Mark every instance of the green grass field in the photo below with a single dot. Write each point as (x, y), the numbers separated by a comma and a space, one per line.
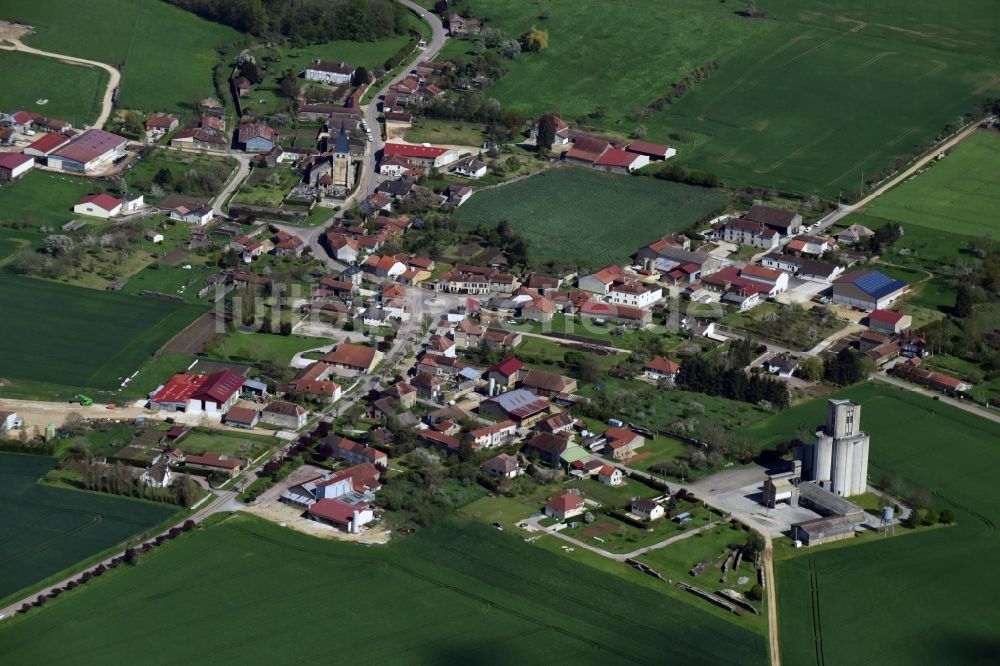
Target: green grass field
(957, 195)
(81, 337)
(45, 530)
(922, 598)
(807, 100)
(43, 199)
(74, 92)
(262, 347)
(454, 594)
(575, 214)
(168, 53)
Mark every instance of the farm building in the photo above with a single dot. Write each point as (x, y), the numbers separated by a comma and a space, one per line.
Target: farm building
(214, 462)
(257, 137)
(214, 393)
(520, 405)
(654, 151)
(98, 205)
(889, 321)
(424, 155)
(868, 290)
(323, 71)
(89, 152)
(241, 417)
(783, 221)
(15, 165)
(501, 467)
(620, 161)
(357, 358)
(9, 421)
(46, 144)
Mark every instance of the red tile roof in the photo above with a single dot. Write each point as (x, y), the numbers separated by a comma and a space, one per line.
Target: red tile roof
(663, 365)
(352, 356)
(647, 148)
(508, 367)
(406, 150)
(566, 502)
(212, 460)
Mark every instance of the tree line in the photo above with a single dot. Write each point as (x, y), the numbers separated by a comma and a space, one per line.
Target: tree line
(713, 378)
(305, 21)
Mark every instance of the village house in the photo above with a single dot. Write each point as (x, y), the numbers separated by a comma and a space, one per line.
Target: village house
(476, 280)
(538, 309)
(493, 435)
(198, 138)
(812, 245)
(470, 167)
(600, 282)
(214, 462)
(502, 466)
(565, 506)
(622, 443)
(854, 234)
(159, 124)
(802, 267)
(323, 71)
(634, 294)
(647, 509)
(611, 476)
(660, 368)
(197, 216)
(557, 424)
(747, 232)
(354, 453)
(312, 383)
(284, 415)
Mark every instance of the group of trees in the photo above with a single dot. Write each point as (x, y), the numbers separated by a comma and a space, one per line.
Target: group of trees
(119, 479)
(885, 235)
(305, 21)
(713, 378)
(679, 173)
(846, 367)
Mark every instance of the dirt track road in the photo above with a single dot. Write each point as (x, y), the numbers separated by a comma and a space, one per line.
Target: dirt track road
(11, 33)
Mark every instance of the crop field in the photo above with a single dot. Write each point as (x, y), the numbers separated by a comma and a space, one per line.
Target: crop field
(69, 92)
(811, 99)
(81, 337)
(921, 598)
(44, 530)
(579, 215)
(168, 53)
(957, 195)
(454, 594)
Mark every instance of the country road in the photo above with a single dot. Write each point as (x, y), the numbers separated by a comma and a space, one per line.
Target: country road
(10, 33)
(369, 178)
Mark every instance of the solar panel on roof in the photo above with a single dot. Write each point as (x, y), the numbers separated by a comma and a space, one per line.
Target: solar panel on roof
(878, 284)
